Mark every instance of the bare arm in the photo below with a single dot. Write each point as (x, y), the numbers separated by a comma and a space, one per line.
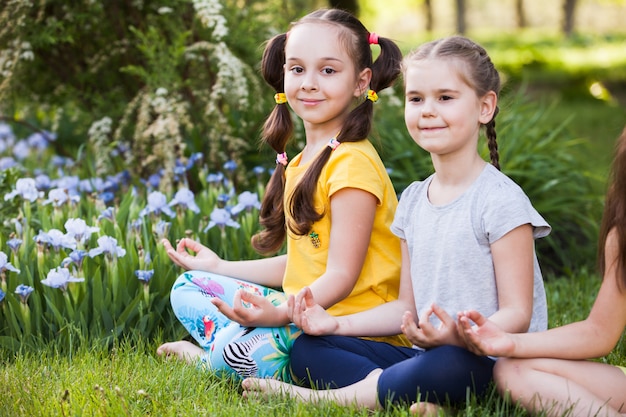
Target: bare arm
(513, 260)
(353, 213)
(593, 337)
(190, 254)
(382, 320)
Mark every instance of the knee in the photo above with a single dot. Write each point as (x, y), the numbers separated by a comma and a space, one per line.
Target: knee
(177, 293)
(506, 372)
(303, 354)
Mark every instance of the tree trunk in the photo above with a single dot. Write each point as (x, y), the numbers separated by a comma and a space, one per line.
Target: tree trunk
(460, 17)
(569, 7)
(520, 15)
(351, 6)
(428, 11)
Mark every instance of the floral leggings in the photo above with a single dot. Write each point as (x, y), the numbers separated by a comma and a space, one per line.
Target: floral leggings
(232, 349)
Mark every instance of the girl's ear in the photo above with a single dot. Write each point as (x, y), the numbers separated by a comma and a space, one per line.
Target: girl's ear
(488, 105)
(363, 82)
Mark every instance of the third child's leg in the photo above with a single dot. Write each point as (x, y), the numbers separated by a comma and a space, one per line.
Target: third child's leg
(580, 387)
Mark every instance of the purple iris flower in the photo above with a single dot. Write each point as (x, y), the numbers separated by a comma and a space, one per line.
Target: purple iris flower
(76, 257)
(24, 292)
(60, 278)
(157, 204)
(153, 181)
(7, 162)
(21, 150)
(14, 244)
(60, 196)
(6, 266)
(185, 199)
(162, 229)
(2, 295)
(107, 245)
(144, 275)
(57, 240)
(222, 200)
(43, 182)
(230, 166)
(78, 229)
(258, 171)
(25, 188)
(193, 159)
(247, 201)
(215, 179)
(108, 214)
(221, 218)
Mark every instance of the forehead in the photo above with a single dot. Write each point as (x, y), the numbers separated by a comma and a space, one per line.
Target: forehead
(316, 36)
(433, 73)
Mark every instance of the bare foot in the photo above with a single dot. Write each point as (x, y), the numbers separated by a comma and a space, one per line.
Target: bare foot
(262, 388)
(425, 409)
(182, 349)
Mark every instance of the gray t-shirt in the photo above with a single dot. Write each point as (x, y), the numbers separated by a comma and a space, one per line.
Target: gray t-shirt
(449, 245)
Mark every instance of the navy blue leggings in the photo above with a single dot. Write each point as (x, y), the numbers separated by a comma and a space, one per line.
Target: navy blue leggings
(441, 375)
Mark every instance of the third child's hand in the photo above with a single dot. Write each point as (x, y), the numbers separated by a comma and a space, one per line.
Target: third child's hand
(485, 338)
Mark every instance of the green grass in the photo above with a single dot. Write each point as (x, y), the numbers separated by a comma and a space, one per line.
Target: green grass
(130, 380)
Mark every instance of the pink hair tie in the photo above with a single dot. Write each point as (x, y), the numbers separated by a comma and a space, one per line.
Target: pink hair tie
(333, 143)
(373, 39)
(281, 158)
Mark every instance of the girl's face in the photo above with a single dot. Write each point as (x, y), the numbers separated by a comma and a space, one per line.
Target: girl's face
(321, 80)
(442, 112)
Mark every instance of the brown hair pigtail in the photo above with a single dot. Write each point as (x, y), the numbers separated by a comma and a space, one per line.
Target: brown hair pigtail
(277, 131)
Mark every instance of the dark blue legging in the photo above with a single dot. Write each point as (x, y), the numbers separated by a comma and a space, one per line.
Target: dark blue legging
(440, 375)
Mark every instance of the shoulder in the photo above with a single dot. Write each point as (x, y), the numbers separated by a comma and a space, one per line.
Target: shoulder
(357, 165)
(361, 150)
(411, 195)
(503, 204)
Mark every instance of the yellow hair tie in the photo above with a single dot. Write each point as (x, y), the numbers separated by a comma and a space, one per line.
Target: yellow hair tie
(371, 95)
(280, 98)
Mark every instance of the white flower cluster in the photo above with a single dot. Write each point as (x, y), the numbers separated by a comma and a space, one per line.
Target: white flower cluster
(99, 137)
(208, 11)
(9, 57)
(231, 80)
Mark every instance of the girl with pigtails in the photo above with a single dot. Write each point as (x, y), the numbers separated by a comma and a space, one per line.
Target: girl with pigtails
(467, 240)
(333, 203)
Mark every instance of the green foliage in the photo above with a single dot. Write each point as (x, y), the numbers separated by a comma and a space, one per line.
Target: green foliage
(544, 159)
(110, 302)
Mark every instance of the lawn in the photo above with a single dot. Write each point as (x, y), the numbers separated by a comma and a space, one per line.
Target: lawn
(130, 380)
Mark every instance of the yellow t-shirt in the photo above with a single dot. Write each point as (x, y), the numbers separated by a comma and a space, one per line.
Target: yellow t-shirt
(351, 165)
